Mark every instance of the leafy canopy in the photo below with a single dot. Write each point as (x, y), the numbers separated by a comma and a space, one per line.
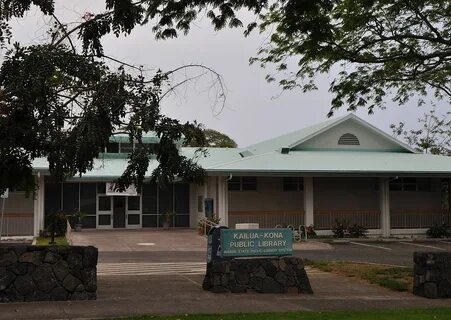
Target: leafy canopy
(432, 135)
(216, 139)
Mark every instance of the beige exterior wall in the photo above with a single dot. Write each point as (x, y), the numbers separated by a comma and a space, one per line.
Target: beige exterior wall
(18, 203)
(346, 194)
(416, 199)
(367, 138)
(268, 197)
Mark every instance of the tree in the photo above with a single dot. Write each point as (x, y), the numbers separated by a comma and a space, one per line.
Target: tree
(432, 136)
(380, 47)
(216, 139)
(62, 104)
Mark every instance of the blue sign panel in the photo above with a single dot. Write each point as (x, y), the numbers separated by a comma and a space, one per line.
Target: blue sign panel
(256, 242)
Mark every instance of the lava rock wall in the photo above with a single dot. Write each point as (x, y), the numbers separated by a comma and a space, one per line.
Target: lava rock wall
(432, 274)
(38, 273)
(264, 275)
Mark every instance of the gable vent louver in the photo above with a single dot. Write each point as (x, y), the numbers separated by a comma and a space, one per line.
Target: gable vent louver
(348, 139)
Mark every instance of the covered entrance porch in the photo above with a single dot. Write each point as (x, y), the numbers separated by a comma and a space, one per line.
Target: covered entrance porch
(383, 205)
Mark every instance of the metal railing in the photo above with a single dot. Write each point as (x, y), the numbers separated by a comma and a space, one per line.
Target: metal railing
(17, 226)
(206, 226)
(326, 220)
(267, 219)
(418, 218)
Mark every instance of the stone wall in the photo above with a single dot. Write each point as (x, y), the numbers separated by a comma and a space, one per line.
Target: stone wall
(33, 273)
(432, 274)
(264, 275)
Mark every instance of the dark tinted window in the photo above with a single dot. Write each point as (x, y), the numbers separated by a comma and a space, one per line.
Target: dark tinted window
(249, 183)
(134, 203)
(70, 197)
(88, 198)
(104, 203)
(112, 147)
(234, 184)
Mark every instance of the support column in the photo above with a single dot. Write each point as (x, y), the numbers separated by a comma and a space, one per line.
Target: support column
(222, 200)
(384, 205)
(308, 201)
(38, 206)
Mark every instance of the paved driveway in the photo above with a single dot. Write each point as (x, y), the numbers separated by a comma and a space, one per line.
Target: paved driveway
(184, 245)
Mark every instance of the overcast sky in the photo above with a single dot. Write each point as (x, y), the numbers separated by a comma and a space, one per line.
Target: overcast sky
(255, 110)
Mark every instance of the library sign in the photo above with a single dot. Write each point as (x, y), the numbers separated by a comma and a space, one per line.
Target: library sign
(256, 242)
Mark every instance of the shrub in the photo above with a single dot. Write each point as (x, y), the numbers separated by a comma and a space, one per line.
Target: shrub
(439, 231)
(357, 231)
(310, 231)
(57, 220)
(339, 229)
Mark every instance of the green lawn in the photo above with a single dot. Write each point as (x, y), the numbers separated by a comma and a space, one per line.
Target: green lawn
(44, 241)
(394, 278)
(411, 314)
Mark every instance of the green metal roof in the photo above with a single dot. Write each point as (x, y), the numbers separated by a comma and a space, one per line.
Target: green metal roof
(337, 163)
(265, 158)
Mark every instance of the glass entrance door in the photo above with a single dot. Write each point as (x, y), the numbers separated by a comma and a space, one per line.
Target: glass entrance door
(119, 215)
(133, 216)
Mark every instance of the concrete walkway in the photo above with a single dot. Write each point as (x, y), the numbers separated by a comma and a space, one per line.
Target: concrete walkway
(182, 294)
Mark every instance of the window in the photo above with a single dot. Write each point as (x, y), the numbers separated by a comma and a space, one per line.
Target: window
(112, 147)
(104, 203)
(126, 147)
(348, 139)
(134, 203)
(249, 183)
(234, 184)
(410, 184)
(293, 184)
(242, 184)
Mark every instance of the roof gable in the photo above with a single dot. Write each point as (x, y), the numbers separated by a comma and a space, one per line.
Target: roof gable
(353, 133)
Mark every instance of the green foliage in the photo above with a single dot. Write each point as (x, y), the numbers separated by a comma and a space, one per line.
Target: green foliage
(342, 230)
(439, 231)
(433, 135)
(310, 230)
(339, 229)
(56, 221)
(380, 48)
(393, 278)
(64, 105)
(215, 139)
(410, 314)
(357, 231)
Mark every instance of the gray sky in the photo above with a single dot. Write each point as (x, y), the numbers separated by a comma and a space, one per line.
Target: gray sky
(254, 111)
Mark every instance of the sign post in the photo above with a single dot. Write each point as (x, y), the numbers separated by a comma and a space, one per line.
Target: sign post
(256, 242)
(4, 196)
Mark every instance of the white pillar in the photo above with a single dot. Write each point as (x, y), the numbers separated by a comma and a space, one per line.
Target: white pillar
(38, 206)
(384, 200)
(222, 200)
(308, 201)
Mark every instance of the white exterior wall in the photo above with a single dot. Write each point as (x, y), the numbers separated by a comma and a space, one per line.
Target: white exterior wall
(346, 194)
(268, 197)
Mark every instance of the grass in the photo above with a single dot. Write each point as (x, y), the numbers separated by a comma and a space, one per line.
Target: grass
(408, 314)
(394, 278)
(45, 241)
